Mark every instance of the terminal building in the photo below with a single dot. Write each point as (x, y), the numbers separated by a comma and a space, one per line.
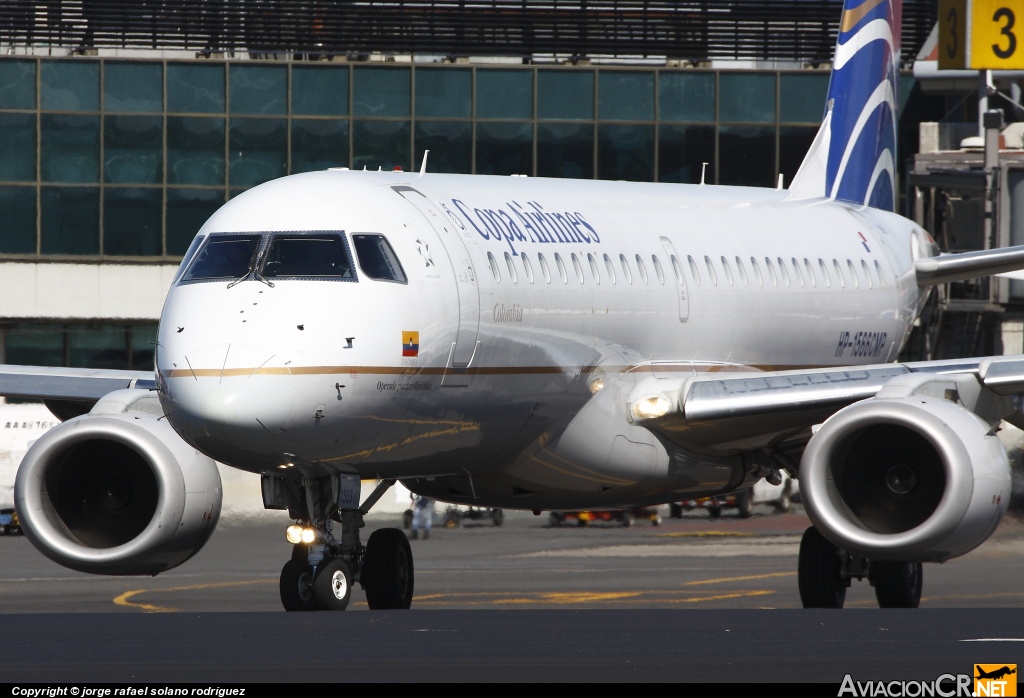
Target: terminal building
(124, 124)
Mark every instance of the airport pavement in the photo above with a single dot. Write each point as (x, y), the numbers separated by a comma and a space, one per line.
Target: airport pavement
(690, 600)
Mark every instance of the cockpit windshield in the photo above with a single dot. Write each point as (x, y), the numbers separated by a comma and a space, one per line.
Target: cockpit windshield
(224, 257)
(307, 255)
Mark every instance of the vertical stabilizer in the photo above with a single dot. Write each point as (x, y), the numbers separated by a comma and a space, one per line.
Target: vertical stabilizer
(853, 157)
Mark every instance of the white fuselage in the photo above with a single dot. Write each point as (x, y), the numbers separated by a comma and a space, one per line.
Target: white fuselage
(520, 293)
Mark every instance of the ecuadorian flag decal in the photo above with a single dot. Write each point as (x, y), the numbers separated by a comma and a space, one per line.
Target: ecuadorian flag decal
(410, 343)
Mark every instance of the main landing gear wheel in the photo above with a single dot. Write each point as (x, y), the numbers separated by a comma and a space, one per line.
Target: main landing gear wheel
(333, 585)
(387, 571)
(897, 584)
(820, 572)
(297, 586)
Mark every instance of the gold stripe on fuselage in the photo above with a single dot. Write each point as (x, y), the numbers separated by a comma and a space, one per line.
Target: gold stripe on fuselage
(478, 371)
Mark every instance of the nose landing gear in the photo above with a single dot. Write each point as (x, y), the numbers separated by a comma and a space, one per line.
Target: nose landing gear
(323, 570)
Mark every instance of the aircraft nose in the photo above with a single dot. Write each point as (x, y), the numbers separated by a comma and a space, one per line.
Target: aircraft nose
(226, 393)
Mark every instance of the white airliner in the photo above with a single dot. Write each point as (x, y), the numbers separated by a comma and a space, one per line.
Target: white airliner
(546, 344)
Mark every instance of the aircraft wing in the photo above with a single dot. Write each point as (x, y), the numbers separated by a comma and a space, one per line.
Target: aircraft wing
(68, 384)
(728, 413)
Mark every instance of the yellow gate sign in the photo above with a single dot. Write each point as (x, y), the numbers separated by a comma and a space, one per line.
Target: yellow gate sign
(981, 34)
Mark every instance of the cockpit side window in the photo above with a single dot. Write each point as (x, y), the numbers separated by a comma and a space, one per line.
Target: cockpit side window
(189, 254)
(224, 257)
(377, 259)
(306, 255)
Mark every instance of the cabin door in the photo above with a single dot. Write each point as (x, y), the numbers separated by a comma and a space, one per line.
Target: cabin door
(467, 339)
(677, 272)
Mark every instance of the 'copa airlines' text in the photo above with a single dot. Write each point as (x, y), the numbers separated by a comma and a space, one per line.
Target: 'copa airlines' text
(524, 223)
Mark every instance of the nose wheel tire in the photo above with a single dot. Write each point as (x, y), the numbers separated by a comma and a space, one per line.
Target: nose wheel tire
(897, 584)
(297, 586)
(333, 585)
(387, 570)
(820, 572)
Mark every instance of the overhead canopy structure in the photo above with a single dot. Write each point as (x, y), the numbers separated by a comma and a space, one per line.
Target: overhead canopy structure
(798, 30)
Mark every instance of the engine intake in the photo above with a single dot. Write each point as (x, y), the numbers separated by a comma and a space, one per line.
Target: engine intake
(916, 478)
(117, 493)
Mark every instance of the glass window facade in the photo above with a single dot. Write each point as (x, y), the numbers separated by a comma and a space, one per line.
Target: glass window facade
(17, 84)
(133, 87)
(195, 88)
(81, 345)
(747, 97)
(565, 94)
(70, 85)
(110, 157)
(444, 93)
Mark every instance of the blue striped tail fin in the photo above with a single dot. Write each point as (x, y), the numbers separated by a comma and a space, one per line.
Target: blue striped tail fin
(853, 156)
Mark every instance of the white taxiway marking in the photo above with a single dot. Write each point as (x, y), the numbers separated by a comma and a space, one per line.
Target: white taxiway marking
(995, 639)
(764, 548)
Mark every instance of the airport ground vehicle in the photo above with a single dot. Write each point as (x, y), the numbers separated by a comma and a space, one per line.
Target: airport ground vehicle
(453, 515)
(779, 496)
(627, 517)
(9, 522)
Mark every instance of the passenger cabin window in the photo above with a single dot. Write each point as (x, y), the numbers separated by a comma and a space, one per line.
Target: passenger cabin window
(527, 267)
(593, 268)
(796, 271)
(377, 259)
(867, 273)
(810, 273)
(878, 270)
(641, 268)
(711, 270)
(224, 257)
(625, 269)
(610, 267)
(303, 256)
(853, 273)
(839, 273)
(561, 268)
(578, 267)
(544, 268)
(658, 270)
(693, 269)
(771, 270)
(782, 271)
(757, 271)
(726, 270)
(511, 266)
(741, 271)
(493, 264)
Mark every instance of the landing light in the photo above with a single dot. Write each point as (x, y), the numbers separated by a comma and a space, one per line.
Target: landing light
(651, 407)
(596, 385)
(301, 534)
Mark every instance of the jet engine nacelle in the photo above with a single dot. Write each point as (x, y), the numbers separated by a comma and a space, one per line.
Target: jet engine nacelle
(116, 491)
(916, 479)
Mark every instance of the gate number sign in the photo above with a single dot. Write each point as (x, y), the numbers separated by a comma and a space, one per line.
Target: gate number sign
(981, 34)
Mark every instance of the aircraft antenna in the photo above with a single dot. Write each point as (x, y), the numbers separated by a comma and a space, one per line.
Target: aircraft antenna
(780, 181)
(703, 169)
(423, 165)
